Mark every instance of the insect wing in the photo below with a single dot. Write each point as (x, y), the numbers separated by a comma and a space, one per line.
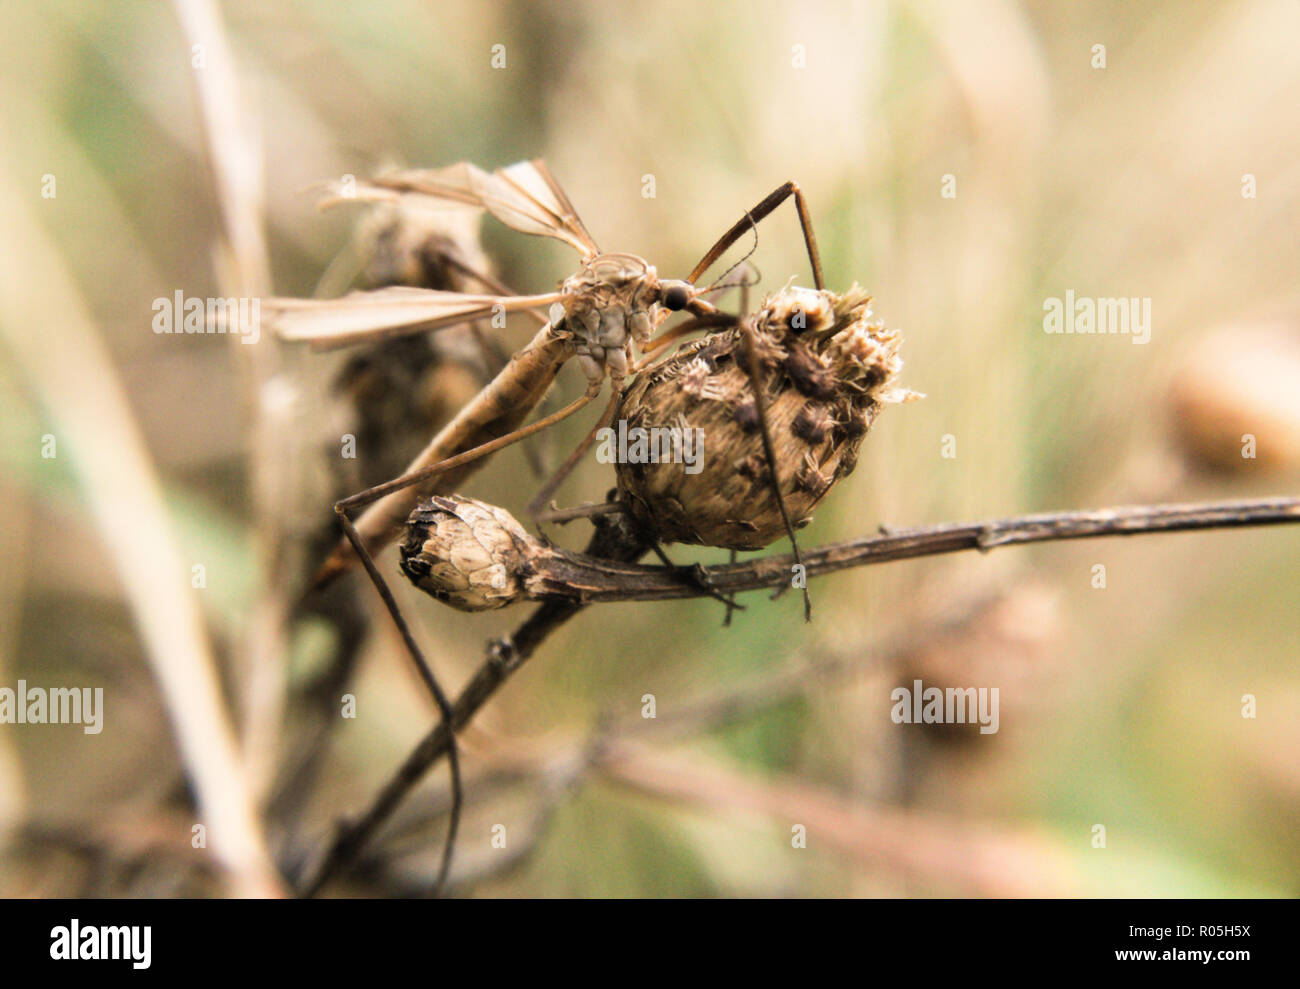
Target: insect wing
(530, 188)
(365, 317)
(524, 196)
(336, 194)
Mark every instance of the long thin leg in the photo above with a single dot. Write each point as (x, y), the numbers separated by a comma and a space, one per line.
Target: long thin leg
(731, 601)
(752, 217)
(758, 213)
(493, 285)
(699, 577)
(711, 321)
(431, 681)
(586, 511)
(756, 383)
(549, 488)
(415, 477)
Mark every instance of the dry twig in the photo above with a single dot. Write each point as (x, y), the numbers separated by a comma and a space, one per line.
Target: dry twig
(547, 573)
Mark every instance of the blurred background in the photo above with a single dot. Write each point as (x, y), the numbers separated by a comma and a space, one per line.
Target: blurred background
(963, 161)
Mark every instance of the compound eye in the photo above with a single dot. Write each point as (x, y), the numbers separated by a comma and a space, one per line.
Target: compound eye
(676, 297)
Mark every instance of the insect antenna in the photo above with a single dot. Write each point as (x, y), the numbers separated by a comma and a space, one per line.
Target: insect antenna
(751, 278)
(759, 212)
(718, 282)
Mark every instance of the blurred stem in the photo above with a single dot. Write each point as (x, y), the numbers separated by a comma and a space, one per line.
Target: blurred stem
(235, 155)
(14, 551)
(763, 691)
(61, 353)
(560, 771)
(939, 851)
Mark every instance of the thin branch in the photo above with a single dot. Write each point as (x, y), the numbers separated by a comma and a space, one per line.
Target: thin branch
(551, 574)
(565, 769)
(550, 782)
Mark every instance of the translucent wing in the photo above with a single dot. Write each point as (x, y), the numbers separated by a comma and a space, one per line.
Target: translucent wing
(523, 196)
(534, 182)
(366, 317)
(366, 192)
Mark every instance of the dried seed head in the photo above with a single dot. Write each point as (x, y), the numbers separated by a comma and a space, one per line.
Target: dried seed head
(396, 393)
(796, 311)
(468, 553)
(410, 243)
(827, 367)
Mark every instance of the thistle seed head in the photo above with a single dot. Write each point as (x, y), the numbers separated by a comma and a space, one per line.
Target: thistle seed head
(466, 553)
(827, 368)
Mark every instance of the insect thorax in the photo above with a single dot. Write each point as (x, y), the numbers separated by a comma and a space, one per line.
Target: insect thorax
(610, 302)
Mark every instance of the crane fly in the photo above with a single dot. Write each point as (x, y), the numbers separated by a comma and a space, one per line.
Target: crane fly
(611, 303)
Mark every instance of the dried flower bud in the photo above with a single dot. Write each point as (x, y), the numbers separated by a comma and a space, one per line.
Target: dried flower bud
(827, 368)
(399, 391)
(465, 552)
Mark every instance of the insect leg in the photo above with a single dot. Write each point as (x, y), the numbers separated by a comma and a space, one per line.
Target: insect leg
(493, 285)
(699, 577)
(585, 511)
(424, 473)
(731, 601)
(710, 321)
(756, 383)
(497, 410)
(549, 488)
(758, 213)
(431, 681)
